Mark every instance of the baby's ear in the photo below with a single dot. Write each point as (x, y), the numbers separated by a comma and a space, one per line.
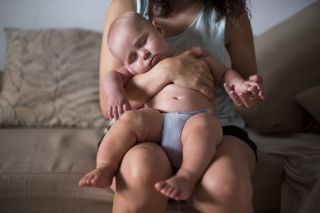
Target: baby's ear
(157, 26)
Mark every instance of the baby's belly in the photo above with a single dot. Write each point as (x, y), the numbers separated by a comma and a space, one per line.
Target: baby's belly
(173, 98)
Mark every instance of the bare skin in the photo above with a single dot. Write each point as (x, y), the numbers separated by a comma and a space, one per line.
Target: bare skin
(141, 47)
(181, 185)
(100, 177)
(111, 152)
(233, 158)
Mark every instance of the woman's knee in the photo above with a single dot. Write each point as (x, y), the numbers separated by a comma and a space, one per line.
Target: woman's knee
(229, 194)
(145, 163)
(142, 166)
(225, 191)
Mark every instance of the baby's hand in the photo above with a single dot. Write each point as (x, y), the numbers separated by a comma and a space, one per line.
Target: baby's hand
(247, 87)
(117, 105)
(246, 94)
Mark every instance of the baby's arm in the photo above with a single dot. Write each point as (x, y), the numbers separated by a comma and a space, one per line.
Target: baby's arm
(114, 88)
(224, 76)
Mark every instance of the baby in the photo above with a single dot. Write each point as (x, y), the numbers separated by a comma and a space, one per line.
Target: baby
(181, 118)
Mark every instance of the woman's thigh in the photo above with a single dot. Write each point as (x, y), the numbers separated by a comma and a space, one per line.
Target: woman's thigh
(142, 166)
(226, 185)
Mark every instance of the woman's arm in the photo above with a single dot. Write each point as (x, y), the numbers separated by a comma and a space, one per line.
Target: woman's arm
(239, 42)
(187, 70)
(107, 61)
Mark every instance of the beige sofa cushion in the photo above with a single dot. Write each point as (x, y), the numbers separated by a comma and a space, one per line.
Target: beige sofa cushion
(40, 170)
(288, 60)
(51, 79)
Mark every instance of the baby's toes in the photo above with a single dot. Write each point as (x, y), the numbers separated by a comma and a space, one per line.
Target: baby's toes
(165, 189)
(173, 193)
(89, 179)
(160, 185)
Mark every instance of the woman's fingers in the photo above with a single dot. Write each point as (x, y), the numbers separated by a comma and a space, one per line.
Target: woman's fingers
(198, 52)
(206, 91)
(245, 100)
(234, 97)
(192, 72)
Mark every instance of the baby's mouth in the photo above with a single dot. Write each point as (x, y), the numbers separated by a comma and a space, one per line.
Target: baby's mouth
(154, 60)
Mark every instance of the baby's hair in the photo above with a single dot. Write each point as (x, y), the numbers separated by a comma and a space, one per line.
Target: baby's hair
(129, 17)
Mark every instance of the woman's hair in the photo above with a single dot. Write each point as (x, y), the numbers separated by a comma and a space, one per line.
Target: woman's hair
(231, 9)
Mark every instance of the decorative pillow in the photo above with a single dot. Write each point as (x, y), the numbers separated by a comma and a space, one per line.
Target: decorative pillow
(51, 79)
(310, 101)
(288, 61)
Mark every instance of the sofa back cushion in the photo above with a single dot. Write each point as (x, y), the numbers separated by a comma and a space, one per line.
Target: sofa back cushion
(288, 60)
(51, 79)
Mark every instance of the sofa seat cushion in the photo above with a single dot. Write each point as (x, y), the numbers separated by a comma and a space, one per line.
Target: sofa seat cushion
(299, 155)
(47, 151)
(40, 169)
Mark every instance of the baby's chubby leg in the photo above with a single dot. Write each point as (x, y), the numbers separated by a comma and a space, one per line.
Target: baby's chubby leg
(200, 137)
(132, 127)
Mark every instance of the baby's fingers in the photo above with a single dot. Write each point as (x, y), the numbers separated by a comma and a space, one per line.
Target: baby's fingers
(110, 112)
(256, 78)
(126, 107)
(120, 110)
(115, 112)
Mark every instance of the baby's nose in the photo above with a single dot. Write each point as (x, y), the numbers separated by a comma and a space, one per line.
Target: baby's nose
(145, 54)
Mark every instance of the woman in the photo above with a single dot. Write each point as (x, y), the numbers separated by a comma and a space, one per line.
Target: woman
(226, 184)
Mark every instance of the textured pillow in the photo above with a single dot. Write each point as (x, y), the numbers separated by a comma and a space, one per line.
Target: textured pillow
(310, 101)
(51, 79)
(288, 60)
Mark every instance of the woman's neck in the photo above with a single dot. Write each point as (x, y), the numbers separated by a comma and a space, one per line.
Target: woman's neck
(181, 17)
(185, 6)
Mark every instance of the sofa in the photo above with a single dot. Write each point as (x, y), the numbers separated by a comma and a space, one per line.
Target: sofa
(51, 122)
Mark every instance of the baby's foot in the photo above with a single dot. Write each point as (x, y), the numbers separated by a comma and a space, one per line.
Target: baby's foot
(177, 187)
(100, 177)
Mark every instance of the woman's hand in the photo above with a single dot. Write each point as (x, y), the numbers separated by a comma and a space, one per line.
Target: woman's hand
(189, 70)
(248, 94)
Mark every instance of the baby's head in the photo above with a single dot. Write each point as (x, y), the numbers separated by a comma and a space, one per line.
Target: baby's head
(137, 42)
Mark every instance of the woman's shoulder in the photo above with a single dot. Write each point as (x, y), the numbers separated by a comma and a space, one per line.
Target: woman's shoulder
(122, 5)
(237, 28)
